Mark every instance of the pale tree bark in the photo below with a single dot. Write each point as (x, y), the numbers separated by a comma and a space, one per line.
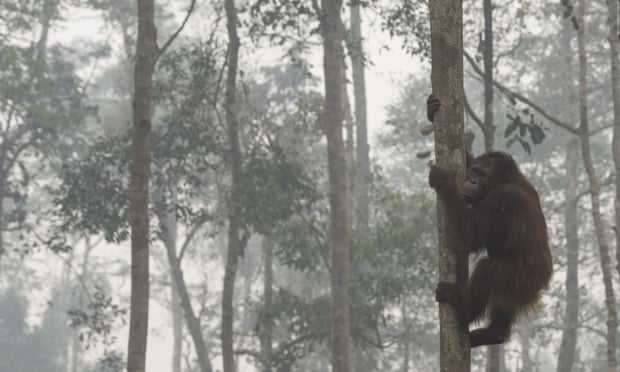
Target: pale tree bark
(234, 218)
(446, 18)
(595, 189)
(568, 345)
(362, 163)
(489, 126)
(139, 186)
(614, 44)
(349, 141)
(338, 189)
(494, 352)
(266, 332)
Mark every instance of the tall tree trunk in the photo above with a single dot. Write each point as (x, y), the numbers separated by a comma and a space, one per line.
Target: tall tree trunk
(338, 191)
(234, 219)
(494, 352)
(489, 126)
(139, 186)
(362, 163)
(568, 345)
(595, 188)
(446, 18)
(266, 334)
(349, 142)
(614, 44)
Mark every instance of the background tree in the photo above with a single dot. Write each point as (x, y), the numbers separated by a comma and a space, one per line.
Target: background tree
(338, 187)
(234, 222)
(595, 189)
(146, 50)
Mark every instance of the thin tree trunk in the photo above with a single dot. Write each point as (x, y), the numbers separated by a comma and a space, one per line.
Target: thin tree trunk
(489, 126)
(566, 354)
(349, 142)
(568, 345)
(362, 163)
(139, 186)
(614, 44)
(446, 19)
(494, 352)
(610, 300)
(234, 219)
(338, 191)
(266, 334)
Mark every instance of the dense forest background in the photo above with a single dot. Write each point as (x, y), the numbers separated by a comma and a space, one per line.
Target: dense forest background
(241, 156)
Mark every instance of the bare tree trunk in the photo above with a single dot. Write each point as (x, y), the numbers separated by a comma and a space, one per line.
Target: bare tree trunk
(362, 163)
(489, 126)
(266, 333)
(566, 354)
(338, 189)
(610, 300)
(349, 142)
(614, 44)
(139, 186)
(234, 220)
(446, 18)
(568, 345)
(494, 352)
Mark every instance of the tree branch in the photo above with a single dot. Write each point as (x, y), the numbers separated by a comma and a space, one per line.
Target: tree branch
(472, 114)
(511, 93)
(162, 50)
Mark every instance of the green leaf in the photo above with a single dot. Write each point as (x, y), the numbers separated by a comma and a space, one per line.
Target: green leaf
(537, 134)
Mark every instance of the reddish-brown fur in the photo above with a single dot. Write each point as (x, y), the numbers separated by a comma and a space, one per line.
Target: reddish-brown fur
(508, 222)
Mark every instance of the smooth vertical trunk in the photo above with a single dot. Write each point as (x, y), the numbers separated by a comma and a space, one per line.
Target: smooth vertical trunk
(362, 163)
(614, 44)
(568, 345)
(338, 189)
(595, 189)
(494, 352)
(139, 186)
(234, 219)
